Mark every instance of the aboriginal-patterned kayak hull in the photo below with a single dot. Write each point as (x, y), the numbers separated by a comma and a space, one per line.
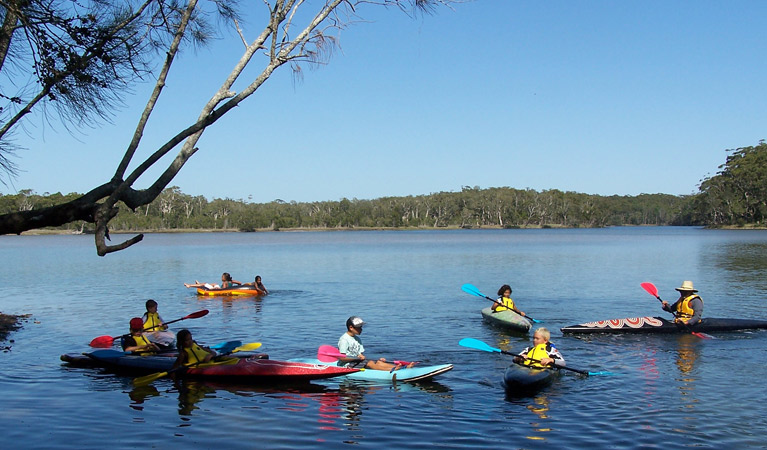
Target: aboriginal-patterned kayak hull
(524, 380)
(415, 373)
(248, 369)
(661, 325)
(506, 319)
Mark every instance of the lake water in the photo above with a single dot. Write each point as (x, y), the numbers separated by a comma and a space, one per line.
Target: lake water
(667, 392)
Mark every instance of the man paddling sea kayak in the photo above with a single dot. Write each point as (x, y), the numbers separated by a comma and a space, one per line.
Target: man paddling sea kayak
(688, 309)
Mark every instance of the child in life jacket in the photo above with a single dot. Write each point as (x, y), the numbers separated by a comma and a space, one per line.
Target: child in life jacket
(155, 328)
(136, 342)
(542, 353)
(189, 352)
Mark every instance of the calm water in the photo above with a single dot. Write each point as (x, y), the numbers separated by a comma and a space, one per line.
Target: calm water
(669, 391)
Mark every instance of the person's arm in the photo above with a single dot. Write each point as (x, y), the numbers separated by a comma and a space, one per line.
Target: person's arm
(670, 308)
(557, 357)
(697, 311)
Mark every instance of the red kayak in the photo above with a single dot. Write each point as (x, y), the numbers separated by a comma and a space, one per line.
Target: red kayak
(260, 369)
(250, 369)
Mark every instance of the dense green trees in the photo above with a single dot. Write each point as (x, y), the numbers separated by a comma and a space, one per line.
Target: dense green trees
(737, 194)
(469, 208)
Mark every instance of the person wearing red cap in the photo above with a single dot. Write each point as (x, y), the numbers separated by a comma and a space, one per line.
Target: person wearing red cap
(136, 342)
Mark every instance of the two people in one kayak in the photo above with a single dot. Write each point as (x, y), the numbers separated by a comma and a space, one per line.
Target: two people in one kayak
(505, 302)
(350, 345)
(227, 282)
(148, 334)
(542, 353)
(688, 309)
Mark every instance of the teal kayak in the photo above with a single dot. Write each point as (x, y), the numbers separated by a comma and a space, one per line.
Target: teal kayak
(415, 373)
(506, 319)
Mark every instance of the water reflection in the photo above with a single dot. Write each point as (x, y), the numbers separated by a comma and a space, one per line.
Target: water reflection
(539, 406)
(688, 351)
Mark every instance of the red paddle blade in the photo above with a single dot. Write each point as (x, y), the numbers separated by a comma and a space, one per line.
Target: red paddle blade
(103, 342)
(649, 287)
(197, 314)
(328, 353)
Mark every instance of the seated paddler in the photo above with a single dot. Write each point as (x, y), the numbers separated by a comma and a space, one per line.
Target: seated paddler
(136, 342)
(542, 353)
(688, 309)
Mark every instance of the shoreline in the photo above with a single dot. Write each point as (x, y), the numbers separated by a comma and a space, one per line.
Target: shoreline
(45, 232)
(8, 324)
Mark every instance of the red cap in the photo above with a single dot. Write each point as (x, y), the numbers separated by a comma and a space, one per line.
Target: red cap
(136, 323)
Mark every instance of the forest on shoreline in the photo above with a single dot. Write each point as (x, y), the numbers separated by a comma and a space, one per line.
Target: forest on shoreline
(735, 197)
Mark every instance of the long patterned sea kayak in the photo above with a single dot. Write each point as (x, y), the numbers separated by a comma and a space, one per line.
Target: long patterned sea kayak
(249, 369)
(661, 325)
(506, 319)
(415, 373)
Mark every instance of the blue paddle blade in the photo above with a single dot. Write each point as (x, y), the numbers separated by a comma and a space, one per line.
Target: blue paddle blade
(471, 289)
(601, 373)
(477, 344)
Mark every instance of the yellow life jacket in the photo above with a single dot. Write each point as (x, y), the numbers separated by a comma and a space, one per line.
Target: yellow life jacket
(142, 341)
(508, 303)
(152, 322)
(195, 354)
(538, 352)
(684, 311)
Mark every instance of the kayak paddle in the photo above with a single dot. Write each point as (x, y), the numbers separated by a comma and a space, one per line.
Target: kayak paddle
(652, 290)
(328, 353)
(107, 341)
(471, 289)
(147, 379)
(479, 345)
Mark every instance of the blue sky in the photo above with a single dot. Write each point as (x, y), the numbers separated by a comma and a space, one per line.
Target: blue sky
(599, 97)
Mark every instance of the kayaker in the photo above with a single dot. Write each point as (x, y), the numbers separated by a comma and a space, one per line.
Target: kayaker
(258, 284)
(155, 328)
(152, 319)
(505, 302)
(541, 353)
(226, 283)
(350, 344)
(189, 352)
(689, 308)
(136, 342)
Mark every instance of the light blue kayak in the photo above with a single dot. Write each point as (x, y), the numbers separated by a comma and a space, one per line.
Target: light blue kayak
(415, 373)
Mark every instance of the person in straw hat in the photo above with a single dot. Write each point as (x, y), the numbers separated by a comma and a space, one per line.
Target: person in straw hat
(689, 308)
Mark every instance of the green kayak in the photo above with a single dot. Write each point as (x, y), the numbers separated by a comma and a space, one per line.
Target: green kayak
(506, 319)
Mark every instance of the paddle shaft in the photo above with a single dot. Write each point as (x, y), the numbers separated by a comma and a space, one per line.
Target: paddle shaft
(333, 353)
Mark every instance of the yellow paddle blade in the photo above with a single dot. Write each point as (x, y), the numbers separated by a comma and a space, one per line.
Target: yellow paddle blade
(247, 347)
(148, 379)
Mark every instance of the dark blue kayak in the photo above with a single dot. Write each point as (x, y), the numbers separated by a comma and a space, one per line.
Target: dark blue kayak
(661, 325)
(524, 380)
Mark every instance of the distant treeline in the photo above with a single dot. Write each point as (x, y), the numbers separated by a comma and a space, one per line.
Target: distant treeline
(737, 195)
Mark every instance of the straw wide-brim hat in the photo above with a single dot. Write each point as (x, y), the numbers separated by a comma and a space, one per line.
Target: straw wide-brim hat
(686, 287)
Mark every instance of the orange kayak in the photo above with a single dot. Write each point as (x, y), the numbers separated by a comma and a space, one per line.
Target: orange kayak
(235, 290)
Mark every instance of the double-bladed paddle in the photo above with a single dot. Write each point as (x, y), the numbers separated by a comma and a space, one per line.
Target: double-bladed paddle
(652, 290)
(328, 353)
(471, 289)
(479, 345)
(147, 379)
(107, 341)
